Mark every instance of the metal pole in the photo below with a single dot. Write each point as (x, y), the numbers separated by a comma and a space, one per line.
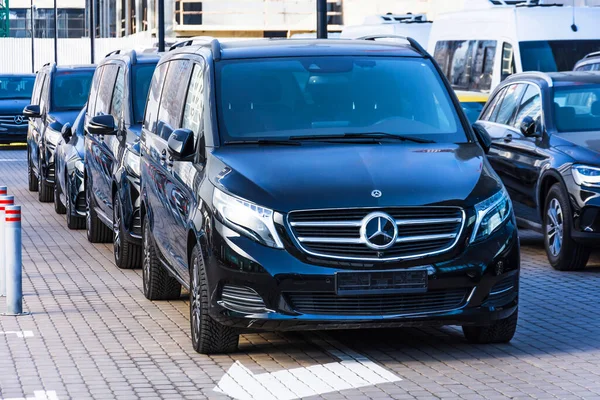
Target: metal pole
(32, 39)
(161, 25)
(5, 201)
(55, 33)
(92, 30)
(13, 261)
(322, 19)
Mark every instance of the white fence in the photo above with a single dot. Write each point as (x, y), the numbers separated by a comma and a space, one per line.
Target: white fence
(15, 53)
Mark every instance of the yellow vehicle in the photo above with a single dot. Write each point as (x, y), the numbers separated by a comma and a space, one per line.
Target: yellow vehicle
(472, 103)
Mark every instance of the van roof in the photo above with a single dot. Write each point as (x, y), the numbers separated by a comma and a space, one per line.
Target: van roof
(315, 47)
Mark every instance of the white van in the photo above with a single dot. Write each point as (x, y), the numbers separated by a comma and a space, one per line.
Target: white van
(414, 25)
(478, 48)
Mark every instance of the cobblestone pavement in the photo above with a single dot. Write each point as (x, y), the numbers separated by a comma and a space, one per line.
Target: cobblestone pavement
(92, 334)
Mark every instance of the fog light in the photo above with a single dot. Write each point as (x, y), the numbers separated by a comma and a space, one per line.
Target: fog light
(499, 270)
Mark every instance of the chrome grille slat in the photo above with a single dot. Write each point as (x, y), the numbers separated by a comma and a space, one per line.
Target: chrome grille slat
(335, 233)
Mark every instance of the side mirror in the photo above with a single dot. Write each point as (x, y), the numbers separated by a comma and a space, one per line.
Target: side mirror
(66, 132)
(483, 137)
(181, 145)
(528, 127)
(102, 125)
(32, 111)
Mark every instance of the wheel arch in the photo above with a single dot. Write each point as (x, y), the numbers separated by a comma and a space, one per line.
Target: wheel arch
(548, 179)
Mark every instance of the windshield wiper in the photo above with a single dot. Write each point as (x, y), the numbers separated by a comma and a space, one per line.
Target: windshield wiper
(283, 142)
(363, 135)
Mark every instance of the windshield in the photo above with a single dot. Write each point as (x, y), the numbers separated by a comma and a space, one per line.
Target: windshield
(555, 55)
(577, 108)
(142, 75)
(16, 87)
(313, 96)
(70, 89)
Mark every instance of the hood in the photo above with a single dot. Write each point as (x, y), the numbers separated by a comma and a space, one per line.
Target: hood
(313, 176)
(13, 106)
(583, 147)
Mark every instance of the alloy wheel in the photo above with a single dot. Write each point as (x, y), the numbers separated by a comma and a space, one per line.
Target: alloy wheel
(555, 226)
(195, 301)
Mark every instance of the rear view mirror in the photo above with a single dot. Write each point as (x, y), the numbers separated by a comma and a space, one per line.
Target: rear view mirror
(66, 132)
(528, 127)
(102, 125)
(181, 145)
(32, 111)
(483, 137)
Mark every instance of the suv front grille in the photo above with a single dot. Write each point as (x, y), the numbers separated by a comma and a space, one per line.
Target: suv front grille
(337, 233)
(394, 304)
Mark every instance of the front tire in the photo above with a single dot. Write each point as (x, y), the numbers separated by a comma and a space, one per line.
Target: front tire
(208, 336)
(501, 331)
(127, 254)
(157, 283)
(97, 232)
(32, 179)
(73, 220)
(564, 254)
(59, 208)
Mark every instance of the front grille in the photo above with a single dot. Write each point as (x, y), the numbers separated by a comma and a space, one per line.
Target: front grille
(242, 299)
(336, 233)
(502, 292)
(8, 121)
(80, 204)
(137, 222)
(51, 172)
(397, 304)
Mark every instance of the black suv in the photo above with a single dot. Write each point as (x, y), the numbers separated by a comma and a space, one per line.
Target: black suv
(545, 131)
(58, 96)
(591, 62)
(15, 94)
(312, 184)
(69, 189)
(112, 161)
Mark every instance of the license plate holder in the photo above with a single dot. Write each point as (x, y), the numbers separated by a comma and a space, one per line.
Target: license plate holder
(412, 280)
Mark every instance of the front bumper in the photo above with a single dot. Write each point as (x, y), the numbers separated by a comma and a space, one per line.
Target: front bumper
(302, 296)
(129, 192)
(8, 136)
(585, 202)
(48, 164)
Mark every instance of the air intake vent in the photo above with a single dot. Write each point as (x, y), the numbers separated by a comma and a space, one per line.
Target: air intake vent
(242, 299)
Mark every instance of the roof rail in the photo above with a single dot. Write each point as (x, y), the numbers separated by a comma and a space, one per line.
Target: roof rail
(542, 76)
(390, 18)
(45, 65)
(413, 43)
(205, 41)
(594, 54)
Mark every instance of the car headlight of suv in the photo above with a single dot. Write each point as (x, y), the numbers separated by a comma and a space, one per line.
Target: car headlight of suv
(247, 218)
(132, 163)
(585, 175)
(491, 214)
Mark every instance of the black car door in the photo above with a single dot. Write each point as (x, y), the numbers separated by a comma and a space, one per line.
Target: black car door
(170, 194)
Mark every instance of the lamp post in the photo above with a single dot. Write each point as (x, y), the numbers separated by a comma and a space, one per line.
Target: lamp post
(55, 33)
(161, 25)
(322, 19)
(92, 29)
(32, 37)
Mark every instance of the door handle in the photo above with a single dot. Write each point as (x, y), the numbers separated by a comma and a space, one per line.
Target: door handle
(163, 157)
(170, 162)
(508, 138)
(101, 138)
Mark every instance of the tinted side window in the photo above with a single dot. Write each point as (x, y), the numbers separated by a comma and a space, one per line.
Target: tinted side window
(508, 60)
(492, 109)
(509, 105)
(44, 95)
(531, 105)
(194, 103)
(483, 66)
(94, 91)
(171, 102)
(105, 90)
(156, 86)
(585, 68)
(469, 65)
(116, 108)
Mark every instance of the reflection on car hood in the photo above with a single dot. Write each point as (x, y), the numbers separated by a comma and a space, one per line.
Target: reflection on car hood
(315, 176)
(13, 106)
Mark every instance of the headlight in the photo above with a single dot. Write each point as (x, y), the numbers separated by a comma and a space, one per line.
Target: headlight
(247, 218)
(586, 176)
(132, 163)
(491, 213)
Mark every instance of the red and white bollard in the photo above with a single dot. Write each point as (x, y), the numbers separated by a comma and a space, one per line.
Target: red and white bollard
(3, 191)
(13, 260)
(4, 202)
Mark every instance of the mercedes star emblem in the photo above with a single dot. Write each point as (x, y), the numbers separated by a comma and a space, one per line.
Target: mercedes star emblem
(18, 119)
(379, 231)
(376, 193)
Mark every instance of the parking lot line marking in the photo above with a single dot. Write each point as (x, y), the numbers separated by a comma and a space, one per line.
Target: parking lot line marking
(353, 371)
(37, 395)
(21, 334)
